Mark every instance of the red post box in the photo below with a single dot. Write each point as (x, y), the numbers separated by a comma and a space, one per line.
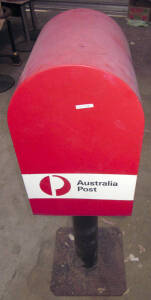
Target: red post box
(76, 118)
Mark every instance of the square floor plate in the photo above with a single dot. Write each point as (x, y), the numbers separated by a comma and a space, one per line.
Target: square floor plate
(107, 278)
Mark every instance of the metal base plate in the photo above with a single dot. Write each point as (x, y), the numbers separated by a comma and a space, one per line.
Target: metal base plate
(107, 278)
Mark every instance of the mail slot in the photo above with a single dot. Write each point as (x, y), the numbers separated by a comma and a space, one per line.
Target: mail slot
(76, 119)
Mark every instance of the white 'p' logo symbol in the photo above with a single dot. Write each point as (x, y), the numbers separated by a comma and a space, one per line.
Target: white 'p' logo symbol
(45, 185)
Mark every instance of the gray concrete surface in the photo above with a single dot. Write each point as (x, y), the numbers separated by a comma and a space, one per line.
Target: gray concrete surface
(27, 241)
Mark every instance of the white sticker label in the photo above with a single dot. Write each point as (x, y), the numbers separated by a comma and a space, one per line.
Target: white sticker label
(80, 186)
(82, 106)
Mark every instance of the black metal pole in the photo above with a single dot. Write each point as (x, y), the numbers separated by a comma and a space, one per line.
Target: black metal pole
(15, 56)
(11, 36)
(86, 238)
(33, 16)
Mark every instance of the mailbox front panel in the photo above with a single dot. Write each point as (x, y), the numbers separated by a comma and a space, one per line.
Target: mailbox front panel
(77, 133)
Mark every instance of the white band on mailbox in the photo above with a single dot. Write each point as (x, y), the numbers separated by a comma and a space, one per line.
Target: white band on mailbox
(80, 186)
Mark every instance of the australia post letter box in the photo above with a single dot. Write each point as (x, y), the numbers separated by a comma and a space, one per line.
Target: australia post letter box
(76, 119)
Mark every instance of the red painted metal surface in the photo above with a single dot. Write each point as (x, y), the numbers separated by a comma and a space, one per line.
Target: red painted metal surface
(80, 57)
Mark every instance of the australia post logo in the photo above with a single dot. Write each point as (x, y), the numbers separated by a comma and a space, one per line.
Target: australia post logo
(55, 185)
(80, 186)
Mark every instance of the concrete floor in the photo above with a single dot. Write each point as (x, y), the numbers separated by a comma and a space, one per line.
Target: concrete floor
(27, 241)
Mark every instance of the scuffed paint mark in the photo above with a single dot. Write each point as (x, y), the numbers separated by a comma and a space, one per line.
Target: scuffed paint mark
(120, 124)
